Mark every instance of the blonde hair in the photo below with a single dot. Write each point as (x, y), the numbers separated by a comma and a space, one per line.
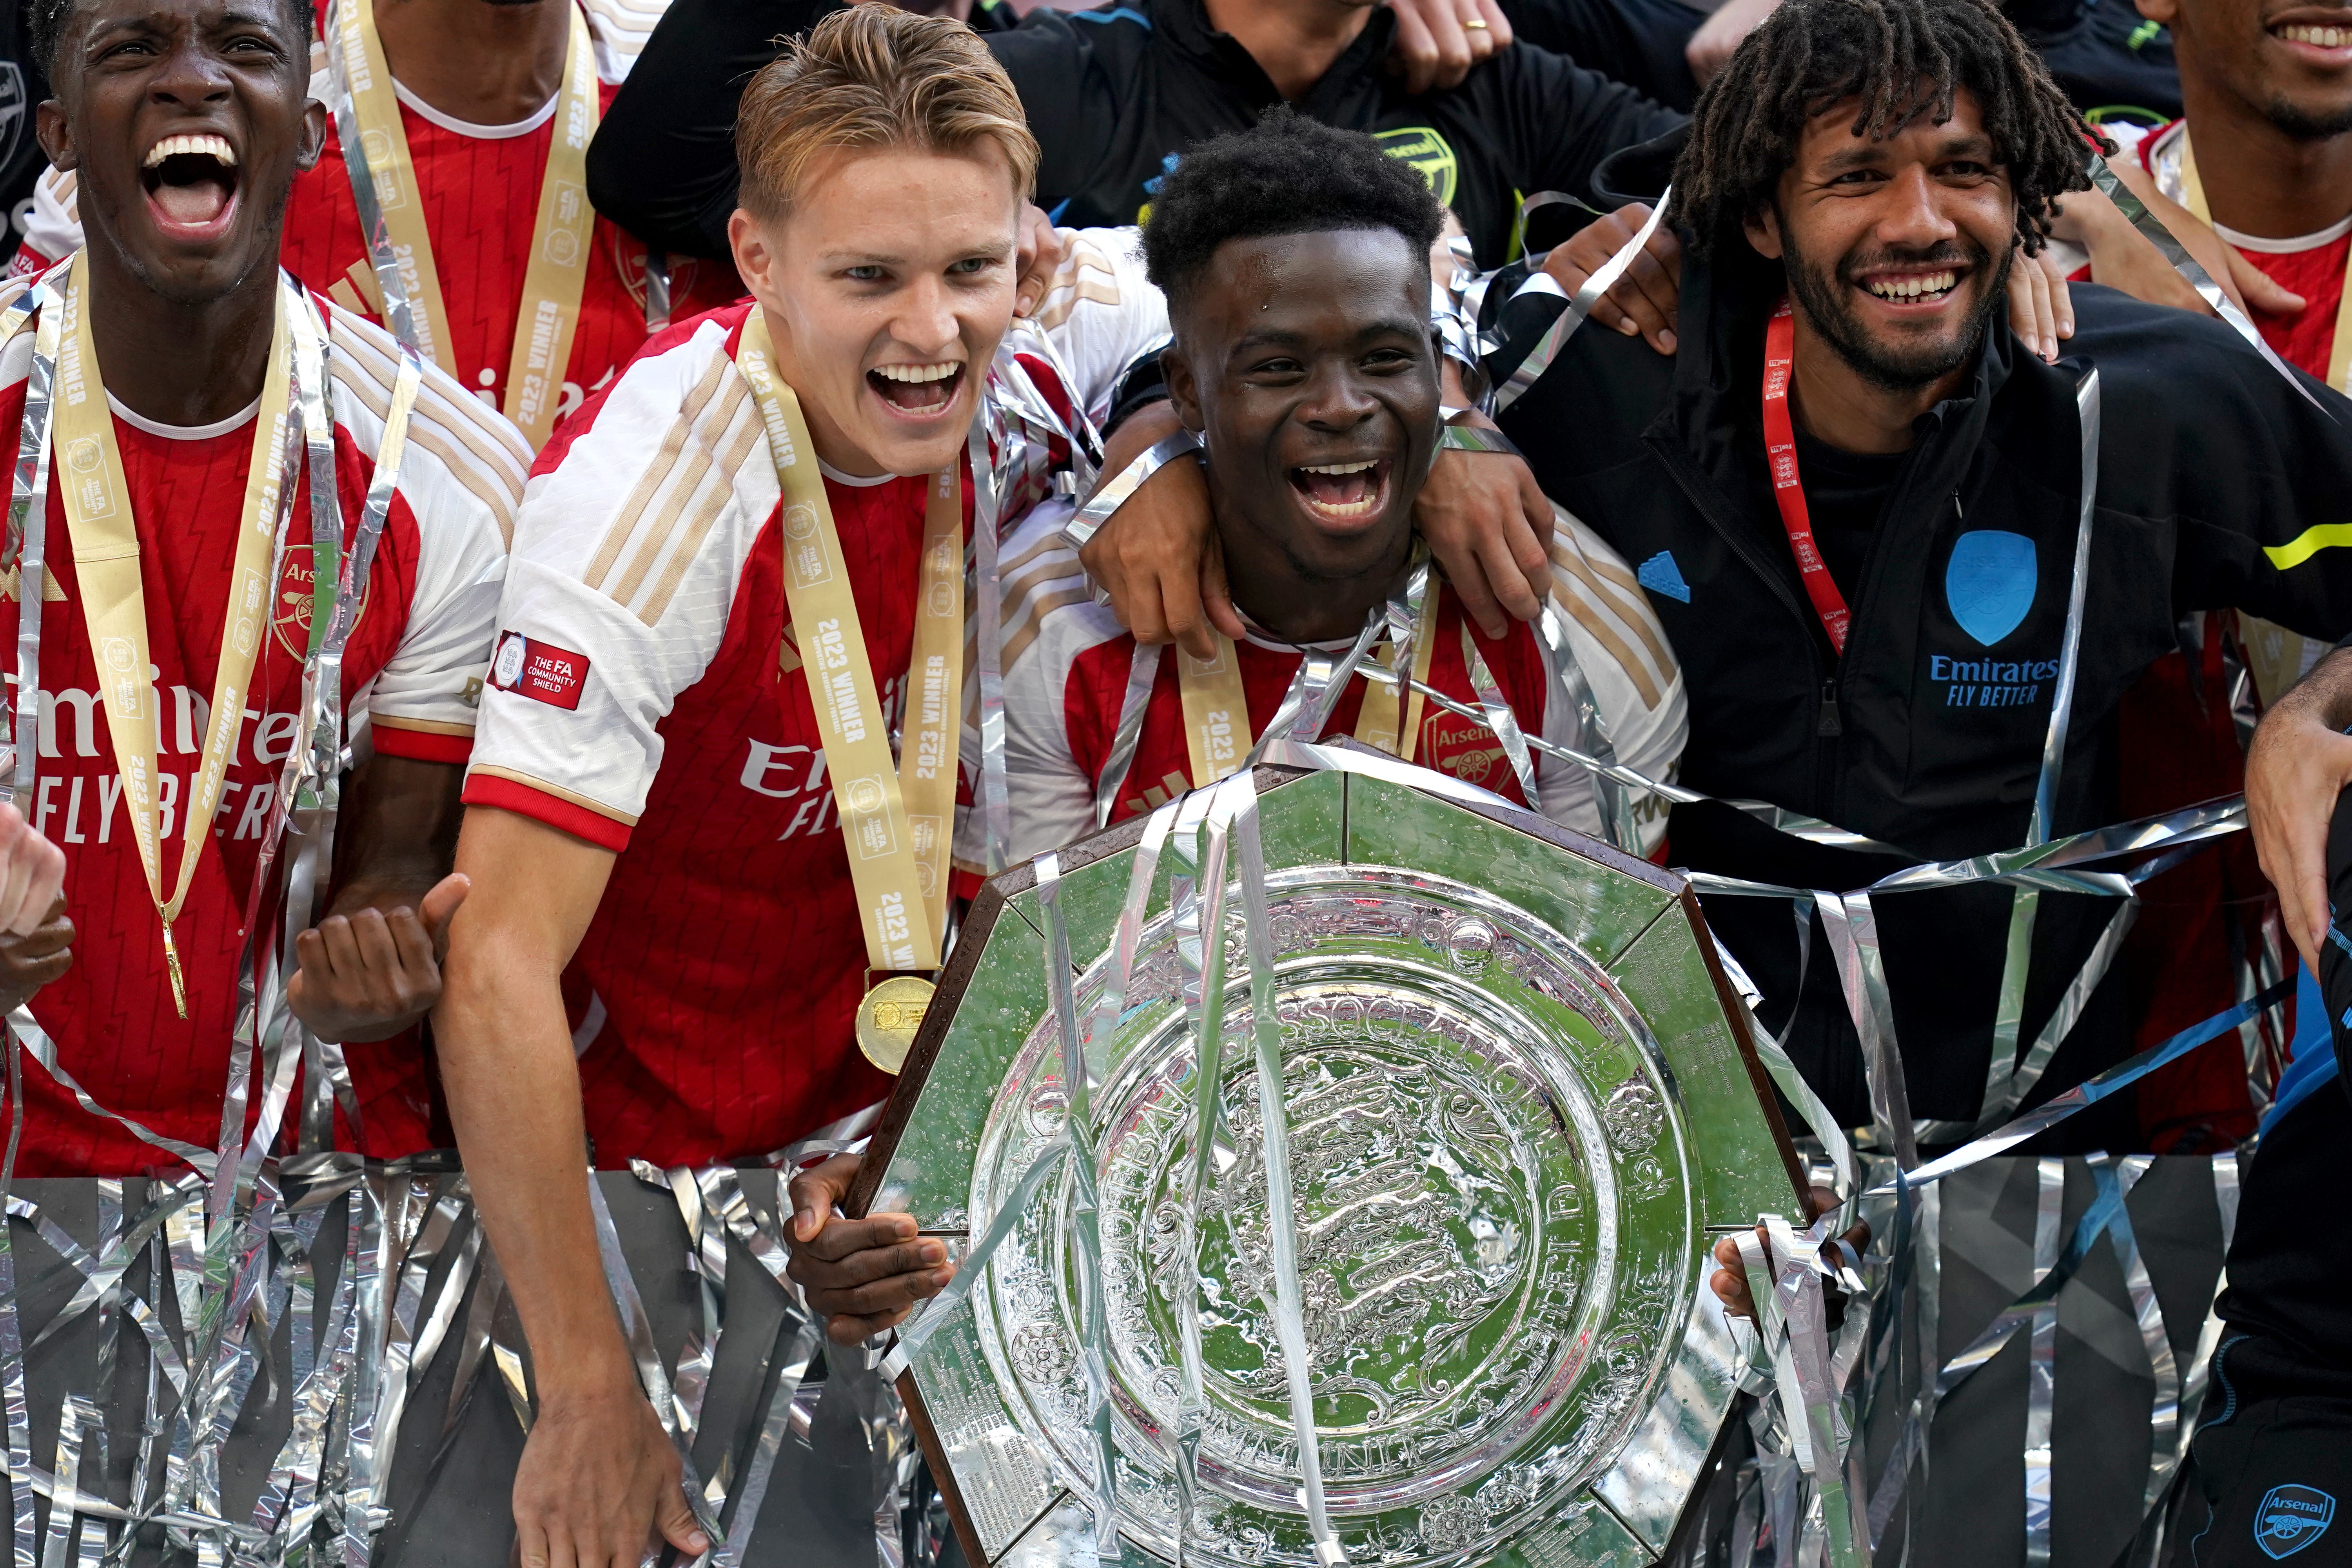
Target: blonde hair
(875, 76)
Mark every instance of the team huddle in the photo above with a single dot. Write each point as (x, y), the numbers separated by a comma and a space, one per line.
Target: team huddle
(689, 635)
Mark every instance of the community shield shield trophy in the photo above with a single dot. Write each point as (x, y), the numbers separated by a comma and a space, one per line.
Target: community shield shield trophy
(1522, 1103)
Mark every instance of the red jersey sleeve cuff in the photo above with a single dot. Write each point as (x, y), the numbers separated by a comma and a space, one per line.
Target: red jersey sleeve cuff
(511, 794)
(442, 743)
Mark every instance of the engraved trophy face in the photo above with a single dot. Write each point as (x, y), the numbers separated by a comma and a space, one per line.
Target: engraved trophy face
(1496, 1114)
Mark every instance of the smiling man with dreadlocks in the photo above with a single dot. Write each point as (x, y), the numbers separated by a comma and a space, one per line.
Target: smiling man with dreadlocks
(1872, 617)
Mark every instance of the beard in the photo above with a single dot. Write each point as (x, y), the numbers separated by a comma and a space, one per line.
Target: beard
(1822, 292)
(2303, 124)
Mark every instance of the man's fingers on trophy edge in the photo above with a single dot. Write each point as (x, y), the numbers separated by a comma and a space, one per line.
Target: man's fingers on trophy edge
(842, 1238)
(855, 1328)
(814, 1192)
(897, 1293)
(885, 1262)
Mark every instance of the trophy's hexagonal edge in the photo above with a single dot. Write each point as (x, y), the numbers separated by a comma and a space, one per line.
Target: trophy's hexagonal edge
(1708, 1357)
(1743, 1035)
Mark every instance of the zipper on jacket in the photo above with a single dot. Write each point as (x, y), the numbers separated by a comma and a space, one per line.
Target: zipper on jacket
(1830, 724)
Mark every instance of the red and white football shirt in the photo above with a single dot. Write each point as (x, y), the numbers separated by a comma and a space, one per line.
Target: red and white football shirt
(646, 697)
(479, 187)
(411, 681)
(1067, 661)
(2312, 265)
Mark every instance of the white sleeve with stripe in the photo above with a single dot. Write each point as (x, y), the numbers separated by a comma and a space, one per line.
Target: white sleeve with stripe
(461, 474)
(1101, 312)
(1635, 680)
(627, 554)
(1049, 620)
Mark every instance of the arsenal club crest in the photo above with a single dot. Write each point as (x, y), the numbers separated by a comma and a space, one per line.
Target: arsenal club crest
(2292, 1517)
(295, 602)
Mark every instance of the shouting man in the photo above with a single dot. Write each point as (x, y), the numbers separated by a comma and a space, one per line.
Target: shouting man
(476, 116)
(177, 542)
(686, 820)
(1296, 262)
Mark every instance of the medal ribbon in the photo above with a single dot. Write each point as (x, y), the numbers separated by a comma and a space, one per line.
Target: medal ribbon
(105, 539)
(1217, 731)
(896, 827)
(561, 239)
(1787, 489)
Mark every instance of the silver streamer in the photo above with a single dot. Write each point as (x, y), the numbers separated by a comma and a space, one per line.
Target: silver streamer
(1265, 1036)
(399, 311)
(28, 512)
(1142, 670)
(1094, 1329)
(1502, 721)
(2041, 1368)
(1112, 493)
(1555, 337)
(988, 630)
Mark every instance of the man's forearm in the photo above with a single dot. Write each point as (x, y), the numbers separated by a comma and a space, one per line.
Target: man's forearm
(401, 826)
(514, 1097)
(1138, 434)
(2324, 695)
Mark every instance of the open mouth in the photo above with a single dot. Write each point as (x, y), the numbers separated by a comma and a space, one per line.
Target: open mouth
(2324, 36)
(1912, 288)
(191, 184)
(916, 389)
(1342, 493)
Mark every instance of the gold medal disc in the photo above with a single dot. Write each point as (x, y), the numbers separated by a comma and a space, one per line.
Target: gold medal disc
(889, 1017)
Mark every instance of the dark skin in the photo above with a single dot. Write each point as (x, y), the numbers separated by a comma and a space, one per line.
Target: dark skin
(1301, 350)
(182, 316)
(486, 64)
(2273, 112)
(1295, 349)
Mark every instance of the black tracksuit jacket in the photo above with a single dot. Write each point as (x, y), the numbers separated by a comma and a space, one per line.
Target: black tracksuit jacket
(1921, 735)
(1114, 96)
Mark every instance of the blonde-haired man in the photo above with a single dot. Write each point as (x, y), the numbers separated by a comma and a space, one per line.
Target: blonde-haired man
(695, 851)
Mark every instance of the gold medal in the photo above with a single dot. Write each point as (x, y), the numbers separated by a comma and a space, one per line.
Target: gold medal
(888, 1018)
(171, 962)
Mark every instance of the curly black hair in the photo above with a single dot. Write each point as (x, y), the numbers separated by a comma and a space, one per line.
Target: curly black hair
(1286, 175)
(1904, 60)
(47, 20)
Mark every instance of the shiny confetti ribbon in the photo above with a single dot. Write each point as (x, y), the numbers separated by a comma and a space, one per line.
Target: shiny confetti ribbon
(1085, 1216)
(2123, 1075)
(1197, 904)
(1265, 1036)
(988, 632)
(1555, 337)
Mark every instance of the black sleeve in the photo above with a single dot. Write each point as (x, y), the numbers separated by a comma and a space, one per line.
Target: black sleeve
(2253, 473)
(1561, 120)
(1070, 89)
(1638, 42)
(663, 162)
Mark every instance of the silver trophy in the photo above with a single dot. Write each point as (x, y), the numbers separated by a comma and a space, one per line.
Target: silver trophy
(1518, 1103)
